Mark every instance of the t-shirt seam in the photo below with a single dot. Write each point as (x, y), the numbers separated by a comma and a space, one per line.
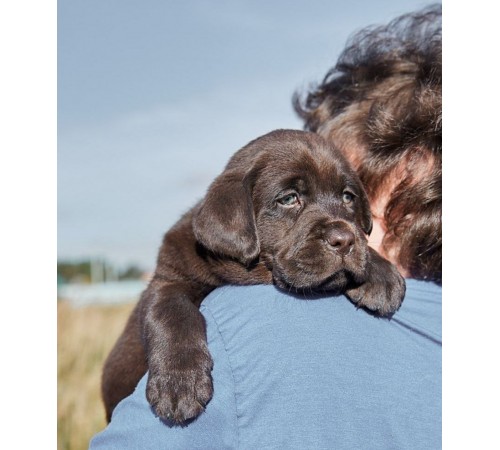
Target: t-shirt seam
(208, 310)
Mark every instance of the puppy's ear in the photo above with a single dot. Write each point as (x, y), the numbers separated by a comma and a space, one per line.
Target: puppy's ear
(225, 221)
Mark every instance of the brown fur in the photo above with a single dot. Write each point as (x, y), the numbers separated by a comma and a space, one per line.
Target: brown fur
(287, 210)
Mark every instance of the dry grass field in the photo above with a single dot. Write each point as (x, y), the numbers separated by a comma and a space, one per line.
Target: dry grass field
(85, 336)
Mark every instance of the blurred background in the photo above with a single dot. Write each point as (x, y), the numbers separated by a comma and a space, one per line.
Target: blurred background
(153, 99)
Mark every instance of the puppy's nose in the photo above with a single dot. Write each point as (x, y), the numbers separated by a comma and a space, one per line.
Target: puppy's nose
(341, 240)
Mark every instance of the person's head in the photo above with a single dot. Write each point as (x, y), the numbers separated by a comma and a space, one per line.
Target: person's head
(381, 105)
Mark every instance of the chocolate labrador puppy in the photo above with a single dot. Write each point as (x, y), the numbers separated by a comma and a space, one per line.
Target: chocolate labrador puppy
(288, 210)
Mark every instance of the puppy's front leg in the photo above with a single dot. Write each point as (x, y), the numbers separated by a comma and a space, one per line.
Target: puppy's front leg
(384, 288)
(179, 382)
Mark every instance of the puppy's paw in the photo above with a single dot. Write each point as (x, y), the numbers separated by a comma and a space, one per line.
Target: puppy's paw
(180, 388)
(384, 289)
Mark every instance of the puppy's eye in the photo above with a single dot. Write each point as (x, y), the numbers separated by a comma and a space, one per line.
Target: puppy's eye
(289, 200)
(347, 197)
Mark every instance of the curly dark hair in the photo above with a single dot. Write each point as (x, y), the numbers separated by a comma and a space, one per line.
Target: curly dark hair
(383, 98)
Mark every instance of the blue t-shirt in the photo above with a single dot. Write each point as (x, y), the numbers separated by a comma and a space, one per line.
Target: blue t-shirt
(291, 373)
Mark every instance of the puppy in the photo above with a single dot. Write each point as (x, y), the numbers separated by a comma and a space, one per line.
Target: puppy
(288, 210)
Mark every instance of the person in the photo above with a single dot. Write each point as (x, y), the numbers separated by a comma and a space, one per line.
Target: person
(321, 374)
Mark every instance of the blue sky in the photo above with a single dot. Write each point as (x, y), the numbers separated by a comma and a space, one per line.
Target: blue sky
(155, 96)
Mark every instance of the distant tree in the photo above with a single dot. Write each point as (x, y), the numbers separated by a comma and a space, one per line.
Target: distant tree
(131, 273)
(81, 271)
(68, 272)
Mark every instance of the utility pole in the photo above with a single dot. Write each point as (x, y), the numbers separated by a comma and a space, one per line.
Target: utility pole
(96, 271)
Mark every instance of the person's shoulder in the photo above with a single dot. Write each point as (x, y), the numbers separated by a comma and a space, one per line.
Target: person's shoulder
(261, 300)
(265, 311)
(235, 305)
(232, 304)
(234, 297)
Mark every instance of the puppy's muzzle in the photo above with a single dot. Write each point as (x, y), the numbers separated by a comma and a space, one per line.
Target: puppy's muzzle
(340, 238)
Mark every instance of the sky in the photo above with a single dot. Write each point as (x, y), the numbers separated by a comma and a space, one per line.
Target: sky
(155, 96)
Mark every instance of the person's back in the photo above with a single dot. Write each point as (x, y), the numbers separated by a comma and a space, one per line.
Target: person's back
(318, 373)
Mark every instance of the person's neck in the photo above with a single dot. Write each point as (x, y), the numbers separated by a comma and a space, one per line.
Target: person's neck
(375, 241)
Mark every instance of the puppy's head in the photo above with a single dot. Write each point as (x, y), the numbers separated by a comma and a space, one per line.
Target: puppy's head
(293, 201)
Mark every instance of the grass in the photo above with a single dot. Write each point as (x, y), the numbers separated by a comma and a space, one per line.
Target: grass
(85, 337)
